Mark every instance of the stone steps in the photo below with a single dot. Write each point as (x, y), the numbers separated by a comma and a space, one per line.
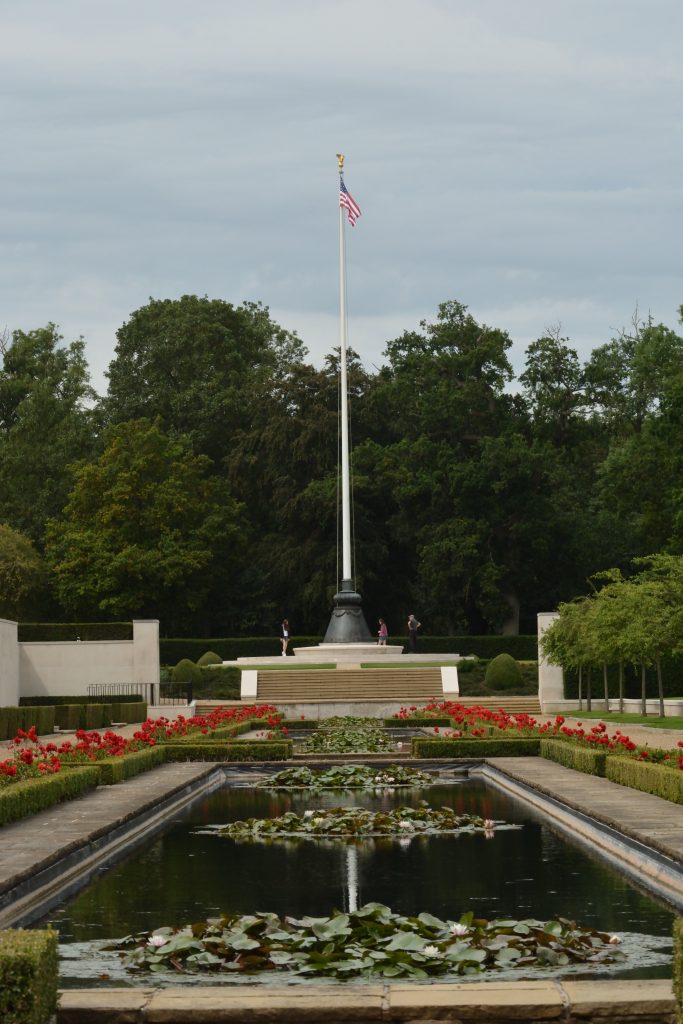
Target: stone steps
(349, 684)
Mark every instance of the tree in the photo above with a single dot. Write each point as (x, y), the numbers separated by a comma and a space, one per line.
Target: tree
(149, 532)
(22, 574)
(554, 385)
(46, 423)
(201, 365)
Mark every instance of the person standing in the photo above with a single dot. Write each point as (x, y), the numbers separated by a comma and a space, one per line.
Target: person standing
(383, 633)
(413, 626)
(284, 636)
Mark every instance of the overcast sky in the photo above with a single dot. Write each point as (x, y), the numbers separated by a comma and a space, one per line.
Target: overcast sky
(522, 156)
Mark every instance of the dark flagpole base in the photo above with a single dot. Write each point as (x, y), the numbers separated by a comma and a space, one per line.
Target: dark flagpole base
(347, 622)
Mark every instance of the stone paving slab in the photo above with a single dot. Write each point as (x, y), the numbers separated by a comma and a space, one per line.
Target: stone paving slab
(84, 825)
(648, 819)
(486, 1002)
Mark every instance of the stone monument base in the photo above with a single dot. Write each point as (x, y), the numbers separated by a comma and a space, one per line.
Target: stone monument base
(353, 653)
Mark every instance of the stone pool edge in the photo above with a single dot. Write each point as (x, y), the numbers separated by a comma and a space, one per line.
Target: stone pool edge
(639, 1002)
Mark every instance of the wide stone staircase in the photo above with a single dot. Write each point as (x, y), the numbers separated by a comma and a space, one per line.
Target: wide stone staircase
(400, 686)
(317, 685)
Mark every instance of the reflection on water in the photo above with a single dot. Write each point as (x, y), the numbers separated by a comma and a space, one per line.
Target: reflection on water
(528, 872)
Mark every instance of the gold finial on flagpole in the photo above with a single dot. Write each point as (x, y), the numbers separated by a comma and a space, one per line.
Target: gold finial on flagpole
(340, 161)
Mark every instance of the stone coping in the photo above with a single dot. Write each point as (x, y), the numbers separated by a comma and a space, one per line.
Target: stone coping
(629, 1002)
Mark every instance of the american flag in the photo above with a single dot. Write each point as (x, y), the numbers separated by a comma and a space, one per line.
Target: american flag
(349, 203)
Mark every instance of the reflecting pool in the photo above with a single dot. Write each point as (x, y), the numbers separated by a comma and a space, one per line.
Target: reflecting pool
(185, 874)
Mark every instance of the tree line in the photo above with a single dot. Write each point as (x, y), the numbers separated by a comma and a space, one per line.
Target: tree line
(202, 487)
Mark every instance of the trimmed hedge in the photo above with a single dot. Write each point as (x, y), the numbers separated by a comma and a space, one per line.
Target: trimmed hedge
(572, 755)
(80, 698)
(650, 778)
(13, 718)
(209, 658)
(131, 713)
(118, 769)
(223, 732)
(295, 723)
(31, 632)
(503, 673)
(20, 799)
(678, 965)
(28, 976)
(518, 747)
(522, 648)
(246, 750)
(70, 716)
(416, 723)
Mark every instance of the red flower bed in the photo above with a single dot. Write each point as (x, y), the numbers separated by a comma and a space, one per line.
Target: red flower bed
(468, 720)
(31, 759)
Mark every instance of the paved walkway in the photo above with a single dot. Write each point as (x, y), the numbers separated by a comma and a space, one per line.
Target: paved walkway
(648, 819)
(84, 829)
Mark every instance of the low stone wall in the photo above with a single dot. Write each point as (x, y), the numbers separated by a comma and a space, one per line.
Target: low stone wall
(487, 1002)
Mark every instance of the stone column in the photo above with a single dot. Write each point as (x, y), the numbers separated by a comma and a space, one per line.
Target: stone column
(9, 664)
(146, 653)
(550, 677)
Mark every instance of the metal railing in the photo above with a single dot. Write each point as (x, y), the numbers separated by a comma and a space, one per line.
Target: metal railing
(153, 693)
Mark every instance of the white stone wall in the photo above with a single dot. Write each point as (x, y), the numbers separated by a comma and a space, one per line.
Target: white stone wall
(550, 677)
(61, 668)
(9, 664)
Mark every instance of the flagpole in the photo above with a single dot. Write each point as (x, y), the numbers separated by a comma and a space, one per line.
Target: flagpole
(347, 623)
(344, 403)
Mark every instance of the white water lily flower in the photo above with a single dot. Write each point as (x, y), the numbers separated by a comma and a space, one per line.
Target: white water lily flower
(406, 824)
(614, 940)
(308, 814)
(431, 951)
(157, 940)
(459, 929)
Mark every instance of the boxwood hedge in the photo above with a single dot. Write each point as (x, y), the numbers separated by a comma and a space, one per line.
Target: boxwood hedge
(572, 755)
(28, 976)
(650, 778)
(243, 750)
(20, 799)
(521, 746)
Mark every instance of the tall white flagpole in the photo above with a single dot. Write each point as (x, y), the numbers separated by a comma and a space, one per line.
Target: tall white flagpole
(347, 622)
(344, 405)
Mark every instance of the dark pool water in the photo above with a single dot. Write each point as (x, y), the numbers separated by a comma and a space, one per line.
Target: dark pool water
(183, 876)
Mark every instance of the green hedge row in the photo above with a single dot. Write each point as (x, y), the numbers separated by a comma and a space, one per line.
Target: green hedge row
(247, 750)
(516, 747)
(571, 755)
(28, 976)
(678, 965)
(223, 732)
(416, 723)
(80, 698)
(650, 778)
(523, 648)
(14, 718)
(30, 632)
(20, 799)
(295, 723)
(117, 769)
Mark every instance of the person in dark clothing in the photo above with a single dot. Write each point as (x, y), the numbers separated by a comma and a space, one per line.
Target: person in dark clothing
(284, 636)
(413, 626)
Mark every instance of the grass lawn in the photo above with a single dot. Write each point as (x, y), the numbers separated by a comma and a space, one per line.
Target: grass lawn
(670, 722)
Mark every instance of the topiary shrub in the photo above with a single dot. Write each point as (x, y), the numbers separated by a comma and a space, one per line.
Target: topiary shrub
(503, 673)
(186, 672)
(28, 976)
(210, 658)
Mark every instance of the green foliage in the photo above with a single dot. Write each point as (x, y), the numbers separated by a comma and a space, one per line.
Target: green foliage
(53, 631)
(110, 698)
(243, 750)
(22, 574)
(678, 965)
(345, 822)
(503, 674)
(9, 722)
(13, 718)
(477, 748)
(347, 776)
(416, 723)
(571, 755)
(371, 941)
(223, 732)
(70, 716)
(147, 531)
(22, 799)
(98, 716)
(186, 672)
(209, 658)
(28, 976)
(650, 778)
(118, 769)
